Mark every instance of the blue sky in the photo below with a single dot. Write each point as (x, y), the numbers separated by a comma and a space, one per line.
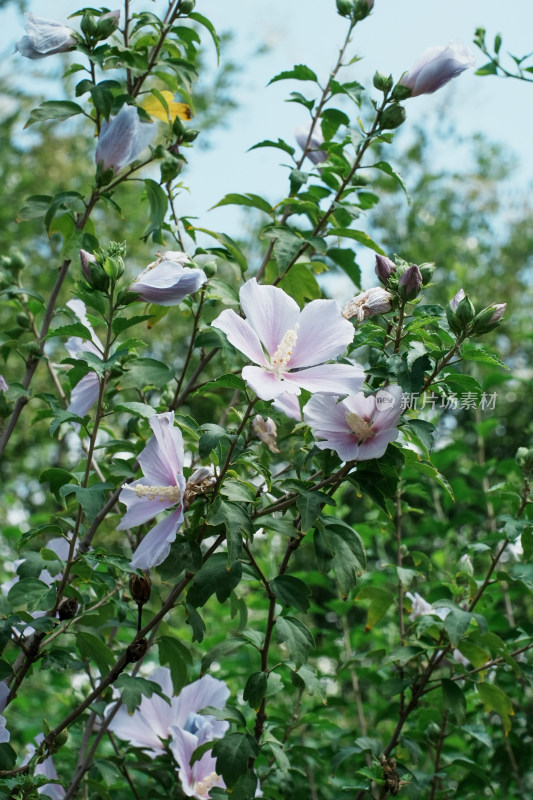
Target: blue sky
(310, 31)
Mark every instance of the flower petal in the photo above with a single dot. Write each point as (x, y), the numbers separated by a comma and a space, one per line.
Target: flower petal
(155, 546)
(240, 335)
(139, 508)
(265, 384)
(329, 378)
(376, 446)
(323, 334)
(162, 458)
(289, 405)
(324, 413)
(207, 691)
(84, 395)
(270, 312)
(168, 283)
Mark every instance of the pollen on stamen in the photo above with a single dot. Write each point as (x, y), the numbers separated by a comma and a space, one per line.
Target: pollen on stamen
(282, 356)
(361, 428)
(170, 494)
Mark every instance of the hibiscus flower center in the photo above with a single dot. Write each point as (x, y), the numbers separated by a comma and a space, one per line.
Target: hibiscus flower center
(203, 787)
(360, 427)
(170, 494)
(280, 359)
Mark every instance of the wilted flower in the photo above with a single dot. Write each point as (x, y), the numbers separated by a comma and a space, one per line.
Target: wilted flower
(44, 37)
(410, 283)
(155, 721)
(122, 138)
(167, 280)
(200, 482)
(85, 394)
(384, 268)
(266, 431)
(368, 304)
(290, 345)
(161, 487)
(358, 427)
(311, 148)
(419, 607)
(437, 66)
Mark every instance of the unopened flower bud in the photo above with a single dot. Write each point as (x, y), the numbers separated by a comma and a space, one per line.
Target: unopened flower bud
(437, 66)
(107, 24)
(456, 299)
(136, 650)
(384, 268)
(410, 283)
(524, 459)
(465, 311)
(140, 588)
(383, 83)
(187, 6)
(393, 116)
(488, 319)
(266, 431)
(67, 609)
(368, 304)
(3, 384)
(426, 270)
(344, 7)
(44, 37)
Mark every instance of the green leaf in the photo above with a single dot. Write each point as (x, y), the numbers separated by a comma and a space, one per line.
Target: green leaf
(54, 109)
(299, 72)
(196, 622)
(420, 433)
(144, 373)
(456, 624)
(453, 699)
(142, 410)
(184, 555)
(473, 652)
(133, 690)
(215, 577)
(496, 700)
(178, 658)
(340, 548)
(93, 649)
(385, 167)
(219, 651)
(359, 236)
(158, 202)
(211, 435)
(470, 352)
(223, 382)
(345, 258)
(380, 601)
(31, 593)
(301, 284)
(309, 505)
(291, 591)
(232, 754)
(248, 199)
(91, 499)
(296, 636)
(8, 757)
(280, 145)
(56, 477)
(286, 247)
(235, 519)
(209, 26)
(255, 689)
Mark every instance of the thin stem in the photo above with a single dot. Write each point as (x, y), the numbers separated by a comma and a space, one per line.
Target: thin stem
(190, 349)
(442, 736)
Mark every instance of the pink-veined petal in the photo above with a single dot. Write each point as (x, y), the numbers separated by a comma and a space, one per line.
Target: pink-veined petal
(344, 444)
(269, 311)
(155, 546)
(328, 378)
(289, 405)
(364, 407)
(376, 446)
(388, 412)
(323, 334)
(323, 412)
(265, 384)
(240, 335)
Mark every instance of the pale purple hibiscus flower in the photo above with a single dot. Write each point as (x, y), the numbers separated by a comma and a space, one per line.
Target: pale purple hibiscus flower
(44, 37)
(168, 280)
(85, 394)
(290, 345)
(162, 487)
(156, 721)
(122, 138)
(420, 607)
(357, 428)
(436, 66)
(311, 146)
(47, 767)
(289, 405)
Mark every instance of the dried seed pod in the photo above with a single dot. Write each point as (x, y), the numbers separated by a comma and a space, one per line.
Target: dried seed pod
(140, 588)
(136, 650)
(67, 608)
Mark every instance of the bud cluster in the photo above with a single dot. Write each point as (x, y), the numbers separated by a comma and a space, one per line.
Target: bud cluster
(404, 280)
(103, 267)
(463, 319)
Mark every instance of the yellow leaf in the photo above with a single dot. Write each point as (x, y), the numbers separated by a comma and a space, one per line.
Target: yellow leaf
(167, 109)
